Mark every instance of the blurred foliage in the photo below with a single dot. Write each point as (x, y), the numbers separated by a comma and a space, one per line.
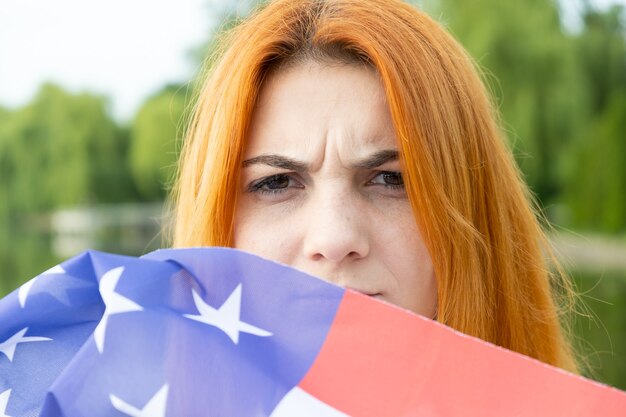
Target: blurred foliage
(596, 193)
(153, 149)
(600, 328)
(66, 139)
(530, 65)
(64, 150)
(561, 92)
(595, 188)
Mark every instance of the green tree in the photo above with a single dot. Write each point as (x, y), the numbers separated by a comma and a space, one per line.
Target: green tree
(155, 133)
(529, 63)
(597, 189)
(601, 50)
(63, 150)
(5, 117)
(596, 174)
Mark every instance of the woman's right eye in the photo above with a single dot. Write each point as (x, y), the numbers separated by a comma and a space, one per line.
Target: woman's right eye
(274, 184)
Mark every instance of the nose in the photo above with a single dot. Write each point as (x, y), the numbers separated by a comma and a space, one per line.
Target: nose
(336, 229)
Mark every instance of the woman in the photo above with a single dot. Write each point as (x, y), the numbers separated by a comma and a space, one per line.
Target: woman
(353, 139)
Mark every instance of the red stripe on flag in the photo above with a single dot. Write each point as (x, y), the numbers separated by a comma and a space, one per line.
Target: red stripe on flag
(379, 360)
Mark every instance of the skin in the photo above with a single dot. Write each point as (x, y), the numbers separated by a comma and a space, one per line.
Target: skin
(321, 186)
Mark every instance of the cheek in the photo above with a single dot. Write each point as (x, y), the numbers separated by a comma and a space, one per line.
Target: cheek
(404, 250)
(265, 233)
(405, 254)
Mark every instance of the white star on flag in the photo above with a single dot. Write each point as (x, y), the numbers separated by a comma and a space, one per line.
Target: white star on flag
(8, 346)
(22, 293)
(225, 318)
(154, 408)
(4, 400)
(114, 302)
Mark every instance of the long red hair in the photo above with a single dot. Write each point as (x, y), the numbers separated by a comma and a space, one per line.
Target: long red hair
(474, 211)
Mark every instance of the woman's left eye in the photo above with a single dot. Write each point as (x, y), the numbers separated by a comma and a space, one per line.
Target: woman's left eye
(274, 184)
(390, 179)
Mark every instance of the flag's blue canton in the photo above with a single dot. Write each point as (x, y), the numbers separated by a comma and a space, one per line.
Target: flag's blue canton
(35, 365)
(192, 332)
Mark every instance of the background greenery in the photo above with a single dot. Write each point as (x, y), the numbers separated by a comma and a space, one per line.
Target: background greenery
(561, 90)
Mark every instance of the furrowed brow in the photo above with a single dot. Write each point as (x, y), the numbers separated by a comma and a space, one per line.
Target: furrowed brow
(377, 159)
(277, 161)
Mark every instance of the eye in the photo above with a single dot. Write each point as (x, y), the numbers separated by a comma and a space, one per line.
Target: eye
(274, 184)
(389, 179)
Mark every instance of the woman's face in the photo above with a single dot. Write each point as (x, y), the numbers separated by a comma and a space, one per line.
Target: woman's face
(322, 187)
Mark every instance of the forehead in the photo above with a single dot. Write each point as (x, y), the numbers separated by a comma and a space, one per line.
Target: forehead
(302, 105)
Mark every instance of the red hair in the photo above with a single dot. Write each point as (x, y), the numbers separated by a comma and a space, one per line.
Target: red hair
(470, 203)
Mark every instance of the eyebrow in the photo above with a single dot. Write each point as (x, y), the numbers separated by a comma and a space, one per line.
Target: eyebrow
(377, 159)
(278, 161)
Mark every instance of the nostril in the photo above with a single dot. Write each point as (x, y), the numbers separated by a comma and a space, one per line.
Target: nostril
(317, 257)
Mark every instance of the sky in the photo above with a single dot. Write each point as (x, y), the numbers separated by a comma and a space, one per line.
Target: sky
(124, 49)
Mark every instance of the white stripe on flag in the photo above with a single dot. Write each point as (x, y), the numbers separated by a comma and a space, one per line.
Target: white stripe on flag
(300, 403)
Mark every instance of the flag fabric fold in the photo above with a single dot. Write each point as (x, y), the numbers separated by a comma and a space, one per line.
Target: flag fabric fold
(220, 332)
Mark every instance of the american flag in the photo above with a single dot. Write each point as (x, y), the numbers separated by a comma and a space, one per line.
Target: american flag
(220, 332)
